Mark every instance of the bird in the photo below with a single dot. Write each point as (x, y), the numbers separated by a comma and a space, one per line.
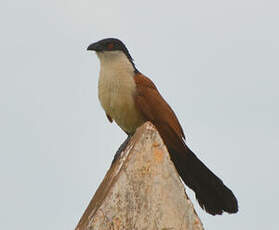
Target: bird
(129, 98)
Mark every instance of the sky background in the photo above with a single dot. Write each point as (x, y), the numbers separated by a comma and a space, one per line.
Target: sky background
(216, 63)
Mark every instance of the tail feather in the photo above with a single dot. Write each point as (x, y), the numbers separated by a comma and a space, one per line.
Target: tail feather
(211, 193)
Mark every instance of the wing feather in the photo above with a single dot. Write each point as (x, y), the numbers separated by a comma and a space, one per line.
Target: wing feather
(155, 109)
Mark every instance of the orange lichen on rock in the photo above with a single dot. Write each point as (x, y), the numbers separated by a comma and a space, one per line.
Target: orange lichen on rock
(142, 190)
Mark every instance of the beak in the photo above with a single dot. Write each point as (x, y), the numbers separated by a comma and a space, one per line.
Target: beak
(95, 46)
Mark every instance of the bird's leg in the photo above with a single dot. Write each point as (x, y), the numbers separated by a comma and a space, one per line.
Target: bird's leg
(121, 148)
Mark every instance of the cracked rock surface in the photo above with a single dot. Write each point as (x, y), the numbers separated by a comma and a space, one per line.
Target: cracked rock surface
(141, 190)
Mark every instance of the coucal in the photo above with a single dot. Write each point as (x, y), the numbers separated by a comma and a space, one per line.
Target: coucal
(129, 98)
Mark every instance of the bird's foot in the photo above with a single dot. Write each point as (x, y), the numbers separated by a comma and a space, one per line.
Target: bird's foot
(121, 148)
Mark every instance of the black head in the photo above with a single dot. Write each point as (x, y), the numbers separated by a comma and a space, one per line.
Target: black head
(110, 44)
(107, 44)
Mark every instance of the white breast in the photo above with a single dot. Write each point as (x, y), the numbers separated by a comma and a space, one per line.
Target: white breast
(116, 90)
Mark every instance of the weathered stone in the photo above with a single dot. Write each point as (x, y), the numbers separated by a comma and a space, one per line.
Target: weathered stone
(142, 190)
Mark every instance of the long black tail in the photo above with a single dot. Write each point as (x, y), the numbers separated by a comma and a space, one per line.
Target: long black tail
(211, 193)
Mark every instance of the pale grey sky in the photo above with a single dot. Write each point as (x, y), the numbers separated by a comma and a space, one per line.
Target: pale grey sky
(215, 62)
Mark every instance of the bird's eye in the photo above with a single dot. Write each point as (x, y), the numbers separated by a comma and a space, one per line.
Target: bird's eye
(110, 46)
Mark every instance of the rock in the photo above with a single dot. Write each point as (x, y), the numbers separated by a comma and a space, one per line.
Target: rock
(141, 190)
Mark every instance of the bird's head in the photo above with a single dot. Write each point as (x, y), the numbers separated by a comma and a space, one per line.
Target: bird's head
(108, 45)
(111, 48)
